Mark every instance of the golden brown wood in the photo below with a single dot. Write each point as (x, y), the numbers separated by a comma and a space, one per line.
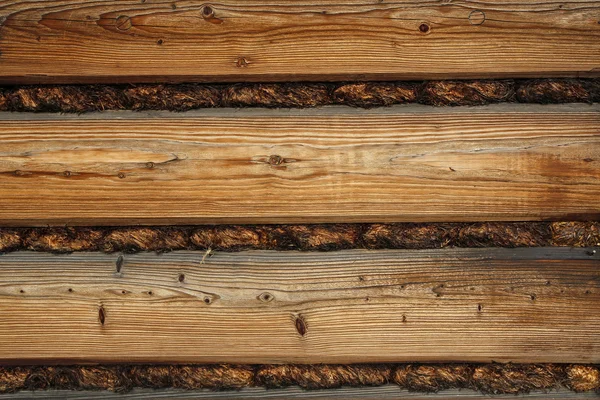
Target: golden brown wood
(523, 305)
(332, 165)
(133, 40)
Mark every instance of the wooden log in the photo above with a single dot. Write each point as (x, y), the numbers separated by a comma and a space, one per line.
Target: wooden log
(454, 305)
(405, 163)
(85, 41)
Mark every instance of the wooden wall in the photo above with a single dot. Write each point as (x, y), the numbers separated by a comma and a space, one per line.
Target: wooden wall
(503, 162)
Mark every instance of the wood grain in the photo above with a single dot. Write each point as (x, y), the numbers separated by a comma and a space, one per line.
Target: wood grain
(363, 393)
(474, 305)
(58, 41)
(405, 163)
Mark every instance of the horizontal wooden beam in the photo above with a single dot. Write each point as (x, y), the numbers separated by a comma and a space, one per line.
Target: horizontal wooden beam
(58, 41)
(405, 163)
(471, 305)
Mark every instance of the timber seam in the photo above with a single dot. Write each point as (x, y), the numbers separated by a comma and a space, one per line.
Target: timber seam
(485, 378)
(327, 237)
(182, 97)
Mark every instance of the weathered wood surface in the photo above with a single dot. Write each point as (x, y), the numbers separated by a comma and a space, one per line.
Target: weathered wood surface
(363, 393)
(521, 305)
(405, 163)
(132, 40)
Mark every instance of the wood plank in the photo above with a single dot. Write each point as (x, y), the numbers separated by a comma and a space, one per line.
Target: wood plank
(242, 40)
(406, 163)
(362, 393)
(448, 305)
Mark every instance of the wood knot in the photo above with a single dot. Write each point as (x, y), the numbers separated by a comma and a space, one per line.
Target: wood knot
(242, 62)
(150, 165)
(160, 42)
(119, 264)
(67, 174)
(181, 278)
(275, 160)
(101, 315)
(266, 297)
(477, 17)
(121, 175)
(123, 23)
(208, 12)
(424, 28)
(300, 324)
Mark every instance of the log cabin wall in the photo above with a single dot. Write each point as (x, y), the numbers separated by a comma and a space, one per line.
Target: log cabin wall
(257, 200)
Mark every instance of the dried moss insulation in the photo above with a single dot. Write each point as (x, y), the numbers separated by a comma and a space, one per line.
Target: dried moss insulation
(328, 237)
(485, 378)
(182, 97)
